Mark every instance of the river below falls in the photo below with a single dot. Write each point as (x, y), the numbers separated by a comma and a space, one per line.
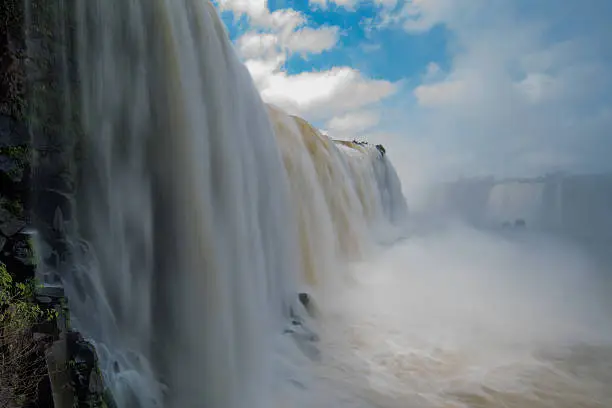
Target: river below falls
(464, 318)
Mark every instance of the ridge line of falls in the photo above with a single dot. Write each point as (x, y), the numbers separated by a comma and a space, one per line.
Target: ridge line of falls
(201, 213)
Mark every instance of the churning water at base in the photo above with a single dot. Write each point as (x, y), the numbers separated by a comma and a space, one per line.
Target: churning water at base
(202, 212)
(467, 319)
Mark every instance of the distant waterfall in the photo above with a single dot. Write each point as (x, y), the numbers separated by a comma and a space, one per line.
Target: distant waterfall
(512, 201)
(571, 205)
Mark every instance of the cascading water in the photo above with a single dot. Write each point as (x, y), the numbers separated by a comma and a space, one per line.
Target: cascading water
(185, 204)
(510, 201)
(341, 193)
(576, 206)
(198, 220)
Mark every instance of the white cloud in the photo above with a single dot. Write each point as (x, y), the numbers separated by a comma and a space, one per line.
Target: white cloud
(442, 93)
(527, 92)
(318, 3)
(312, 40)
(314, 95)
(253, 8)
(433, 70)
(319, 95)
(526, 89)
(388, 4)
(421, 15)
(285, 20)
(352, 124)
(271, 45)
(352, 5)
(253, 45)
(347, 4)
(263, 69)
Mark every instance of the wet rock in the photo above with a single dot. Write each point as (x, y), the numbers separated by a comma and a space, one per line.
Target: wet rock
(14, 154)
(18, 257)
(47, 328)
(22, 250)
(11, 134)
(6, 130)
(57, 361)
(44, 299)
(12, 168)
(39, 337)
(56, 292)
(96, 384)
(300, 331)
(309, 305)
(304, 299)
(108, 399)
(86, 377)
(10, 224)
(81, 351)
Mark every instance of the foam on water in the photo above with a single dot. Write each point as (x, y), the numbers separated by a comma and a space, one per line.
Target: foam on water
(461, 318)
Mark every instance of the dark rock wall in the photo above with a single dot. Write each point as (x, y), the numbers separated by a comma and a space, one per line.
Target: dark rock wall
(15, 146)
(52, 124)
(12, 59)
(37, 130)
(39, 134)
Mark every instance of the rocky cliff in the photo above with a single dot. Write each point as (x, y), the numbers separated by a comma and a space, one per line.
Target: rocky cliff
(53, 365)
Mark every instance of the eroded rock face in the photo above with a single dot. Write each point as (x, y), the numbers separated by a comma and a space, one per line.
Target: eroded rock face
(34, 135)
(12, 60)
(15, 248)
(15, 245)
(14, 142)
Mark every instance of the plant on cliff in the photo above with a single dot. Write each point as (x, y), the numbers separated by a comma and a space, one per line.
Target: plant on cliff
(21, 362)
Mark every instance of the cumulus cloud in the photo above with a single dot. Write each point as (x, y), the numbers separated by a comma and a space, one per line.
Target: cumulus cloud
(318, 95)
(254, 45)
(275, 37)
(527, 91)
(347, 4)
(352, 4)
(312, 40)
(257, 11)
(352, 124)
(318, 3)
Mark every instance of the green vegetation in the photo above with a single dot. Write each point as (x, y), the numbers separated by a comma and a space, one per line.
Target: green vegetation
(21, 360)
(16, 152)
(14, 207)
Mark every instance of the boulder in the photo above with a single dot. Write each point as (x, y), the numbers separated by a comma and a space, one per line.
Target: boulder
(10, 224)
(304, 299)
(12, 133)
(57, 361)
(18, 257)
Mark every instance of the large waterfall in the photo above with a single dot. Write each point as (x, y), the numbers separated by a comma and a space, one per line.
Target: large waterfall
(201, 212)
(220, 253)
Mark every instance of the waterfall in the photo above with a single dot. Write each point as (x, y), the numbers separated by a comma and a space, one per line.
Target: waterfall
(341, 192)
(511, 201)
(200, 211)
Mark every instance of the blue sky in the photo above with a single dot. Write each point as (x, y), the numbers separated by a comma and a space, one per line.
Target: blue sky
(377, 52)
(453, 87)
